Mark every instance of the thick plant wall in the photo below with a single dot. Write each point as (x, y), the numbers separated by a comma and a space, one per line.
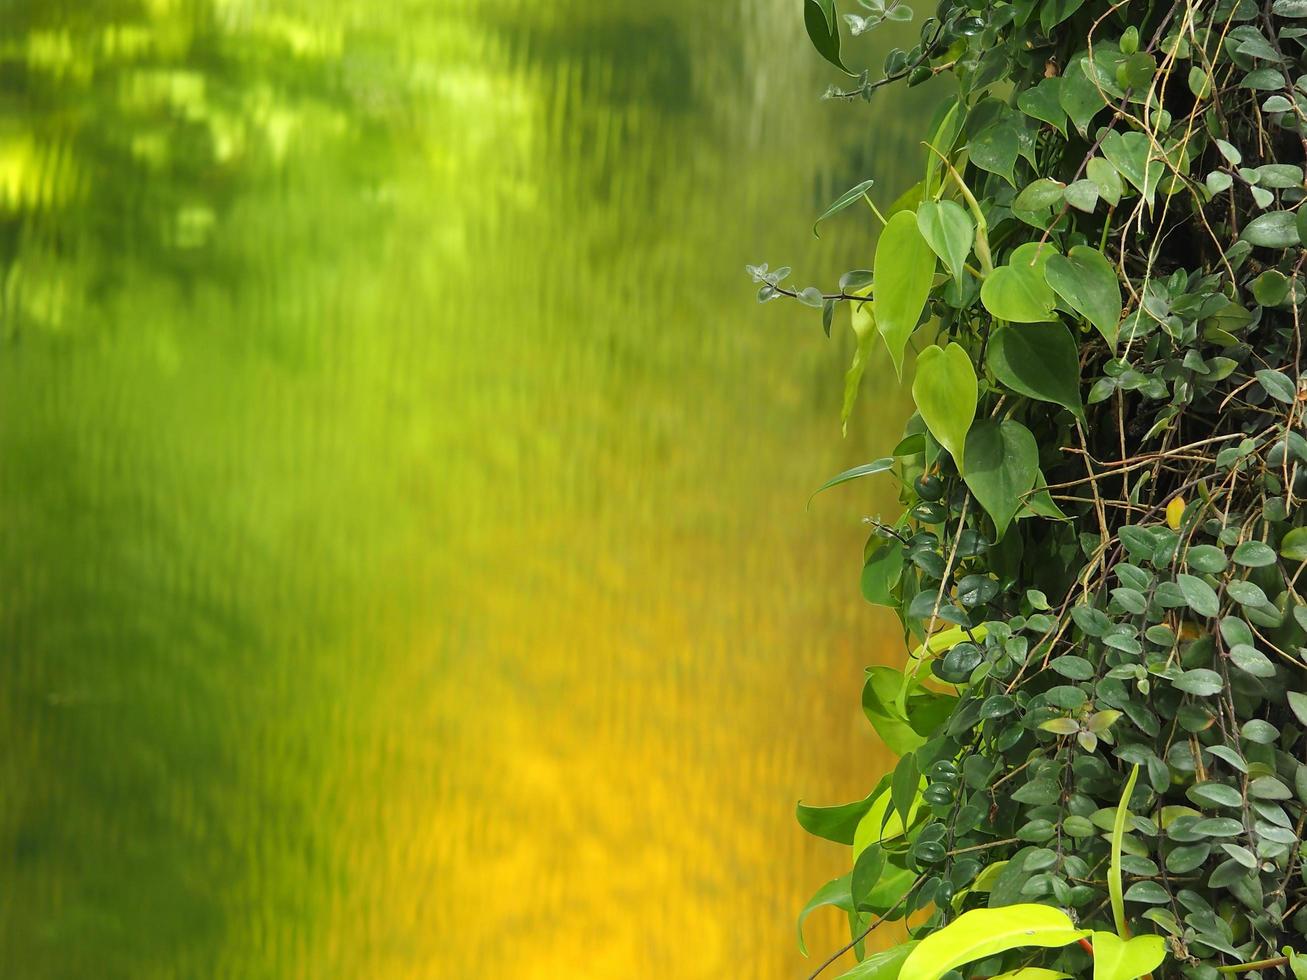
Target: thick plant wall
(1096, 290)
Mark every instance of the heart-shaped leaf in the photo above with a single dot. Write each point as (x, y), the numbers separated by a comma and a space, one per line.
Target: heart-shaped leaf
(949, 231)
(1132, 155)
(1002, 464)
(1089, 285)
(1039, 360)
(945, 391)
(1119, 959)
(903, 271)
(1018, 292)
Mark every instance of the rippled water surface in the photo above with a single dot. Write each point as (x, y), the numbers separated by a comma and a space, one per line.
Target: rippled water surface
(402, 534)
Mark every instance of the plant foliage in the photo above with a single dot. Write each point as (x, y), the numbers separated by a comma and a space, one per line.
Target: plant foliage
(1096, 288)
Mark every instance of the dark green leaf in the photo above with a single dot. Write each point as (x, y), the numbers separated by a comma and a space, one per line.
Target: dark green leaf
(1198, 594)
(1002, 464)
(1039, 360)
(1089, 284)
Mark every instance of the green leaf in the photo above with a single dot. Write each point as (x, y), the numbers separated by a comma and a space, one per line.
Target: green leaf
(1018, 292)
(945, 390)
(1198, 594)
(1114, 858)
(834, 823)
(1079, 96)
(1120, 959)
(1041, 102)
(1040, 194)
(835, 892)
(1254, 554)
(1038, 360)
(843, 201)
(1105, 176)
(880, 573)
(1002, 464)
(884, 965)
(1214, 794)
(996, 149)
(822, 21)
(905, 786)
(1088, 283)
(1132, 155)
(980, 933)
(1053, 12)
(1082, 195)
(1200, 682)
(883, 465)
(949, 231)
(863, 324)
(1294, 544)
(1274, 229)
(1277, 385)
(904, 268)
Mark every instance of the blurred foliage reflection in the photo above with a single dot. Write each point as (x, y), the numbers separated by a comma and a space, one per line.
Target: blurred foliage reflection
(400, 499)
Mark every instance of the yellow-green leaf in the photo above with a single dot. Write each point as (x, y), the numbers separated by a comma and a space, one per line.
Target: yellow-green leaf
(864, 328)
(1018, 292)
(902, 273)
(983, 932)
(1114, 858)
(945, 390)
(1119, 959)
(885, 965)
(1031, 973)
(949, 231)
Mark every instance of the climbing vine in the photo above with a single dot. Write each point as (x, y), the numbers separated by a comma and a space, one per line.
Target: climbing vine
(1096, 289)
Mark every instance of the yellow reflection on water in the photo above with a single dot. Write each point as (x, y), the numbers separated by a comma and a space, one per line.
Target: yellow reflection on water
(403, 504)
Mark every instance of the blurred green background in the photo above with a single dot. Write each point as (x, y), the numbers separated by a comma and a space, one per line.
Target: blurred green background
(402, 534)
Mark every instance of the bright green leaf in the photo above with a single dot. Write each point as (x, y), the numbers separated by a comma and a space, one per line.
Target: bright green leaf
(884, 965)
(1108, 181)
(1119, 959)
(980, 933)
(945, 390)
(1019, 292)
(904, 269)
(864, 329)
(949, 231)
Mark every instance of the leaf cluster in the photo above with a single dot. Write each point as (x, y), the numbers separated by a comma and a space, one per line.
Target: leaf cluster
(1096, 289)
